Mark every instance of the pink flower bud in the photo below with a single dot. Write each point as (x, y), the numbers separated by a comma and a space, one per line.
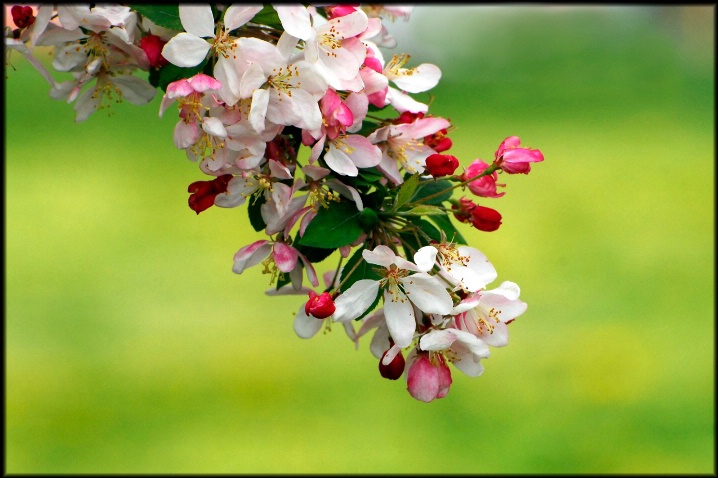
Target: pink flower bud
(152, 45)
(426, 380)
(319, 306)
(515, 160)
(485, 218)
(395, 368)
(23, 17)
(441, 165)
(485, 186)
(341, 10)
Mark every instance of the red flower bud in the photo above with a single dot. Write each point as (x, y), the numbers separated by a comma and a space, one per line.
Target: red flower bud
(441, 164)
(204, 192)
(23, 17)
(438, 141)
(319, 306)
(395, 368)
(408, 117)
(152, 45)
(485, 218)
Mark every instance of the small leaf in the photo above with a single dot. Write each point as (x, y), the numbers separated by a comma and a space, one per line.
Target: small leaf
(166, 16)
(445, 224)
(406, 191)
(335, 226)
(363, 270)
(425, 210)
(428, 188)
(253, 209)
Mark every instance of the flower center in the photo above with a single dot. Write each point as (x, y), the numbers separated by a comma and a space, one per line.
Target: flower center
(281, 81)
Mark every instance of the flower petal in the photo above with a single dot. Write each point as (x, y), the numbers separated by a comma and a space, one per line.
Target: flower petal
(400, 319)
(197, 20)
(185, 50)
(427, 293)
(306, 326)
(237, 15)
(355, 300)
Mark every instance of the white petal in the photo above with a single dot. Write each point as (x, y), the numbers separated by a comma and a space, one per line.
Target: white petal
(306, 326)
(400, 320)
(425, 258)
(252, 79)
(424, 77)
(185, 50)
(381, 256)
(355, 300)
(214, 126)
(237, 15)
(428, 293)
(295, 20)
(197, 20)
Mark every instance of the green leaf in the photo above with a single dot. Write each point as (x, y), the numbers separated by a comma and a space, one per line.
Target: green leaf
(313, 254)
(428, 188)
(267, 16)
(255, 214)
(166, 16)
(445, 224)
(406, 191)
(358, 269)
(424, 210)
(334, 226)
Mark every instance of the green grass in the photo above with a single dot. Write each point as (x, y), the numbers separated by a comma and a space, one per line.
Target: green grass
(132, 347)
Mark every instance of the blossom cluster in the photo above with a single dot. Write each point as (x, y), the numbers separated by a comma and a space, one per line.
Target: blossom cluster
(256, 85)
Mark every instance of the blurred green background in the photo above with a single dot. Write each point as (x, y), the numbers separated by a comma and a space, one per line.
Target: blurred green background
(132, 347)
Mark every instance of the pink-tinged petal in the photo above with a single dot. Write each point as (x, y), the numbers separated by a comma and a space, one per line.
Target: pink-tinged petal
(179, 89)
(251, 255)
(425, 258)
(499, 337)
(427, 293)
(390, 167)
(214, 126)
(351, 333)
(349, 25)
(197, 20)
(355, 300)
(400, 320)
(403, 102)
(424, 77)
(202, 83)
(381, 256)
(339, 161)
(237, 15)
(265, 54)
(306, 220)
(185, 50)
(423, 381)
(346, 191)
(523, 155)
(345, 65)
(438, 339)
(311, 273)
(361, 151)
(508, 289)
(466, 304)
(135, 90)
(506, 309)
(315, 172)
(295, 20)
(165, 103)
(306, 326)
(285, 257)
(286, 45)
(359, 106)
(510, 142)
(422, 127)
(185, 134)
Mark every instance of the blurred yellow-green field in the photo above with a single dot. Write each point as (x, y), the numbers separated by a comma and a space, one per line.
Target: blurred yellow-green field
(131, 347)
